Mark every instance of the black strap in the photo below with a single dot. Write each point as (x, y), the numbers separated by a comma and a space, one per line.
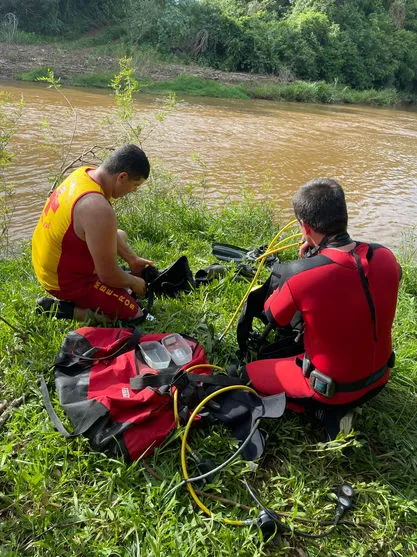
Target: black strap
(180, 379)
(348, 387)
(361, 383)
(69, 359)
(95, 412)
(365, 285)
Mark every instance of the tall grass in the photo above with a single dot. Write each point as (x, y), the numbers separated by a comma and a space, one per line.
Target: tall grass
(297, 91)
(57, 497)
(22, 37)
(196, 86)
(35, 74)
(322, 92)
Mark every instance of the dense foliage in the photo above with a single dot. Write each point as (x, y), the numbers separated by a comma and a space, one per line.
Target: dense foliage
(54, 17)
(364, 44)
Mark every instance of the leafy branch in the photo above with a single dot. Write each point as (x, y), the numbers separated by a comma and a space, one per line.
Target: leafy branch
(125, 85)
(55, 83)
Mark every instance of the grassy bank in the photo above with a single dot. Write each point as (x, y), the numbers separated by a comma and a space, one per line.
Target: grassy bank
(59, 498)
(298, 91)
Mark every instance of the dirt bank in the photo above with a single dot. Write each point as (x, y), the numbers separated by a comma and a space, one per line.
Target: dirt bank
(15, 59)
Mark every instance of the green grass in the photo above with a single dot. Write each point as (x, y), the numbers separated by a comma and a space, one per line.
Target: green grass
(57, 497)
(298, 91)
(96, 79)
(110, 35)
(23, 37)
(321, 92)
(184, 84)
(196, 86)
(34, 74)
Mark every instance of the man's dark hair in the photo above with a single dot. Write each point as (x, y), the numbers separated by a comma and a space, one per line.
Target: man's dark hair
(130, 159)
(321, 204)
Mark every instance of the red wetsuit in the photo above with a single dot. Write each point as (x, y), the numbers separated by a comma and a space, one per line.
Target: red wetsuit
(341, 338)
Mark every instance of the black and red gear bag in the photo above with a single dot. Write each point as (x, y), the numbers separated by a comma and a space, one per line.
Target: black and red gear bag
(93, 379)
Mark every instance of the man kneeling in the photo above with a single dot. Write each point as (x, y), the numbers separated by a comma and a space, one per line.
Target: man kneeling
(76, 241)
(346, 292)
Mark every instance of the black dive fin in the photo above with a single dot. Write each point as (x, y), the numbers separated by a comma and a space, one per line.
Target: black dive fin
(227, 252)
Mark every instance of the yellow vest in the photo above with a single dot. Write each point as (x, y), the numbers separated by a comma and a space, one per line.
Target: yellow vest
(53, 266)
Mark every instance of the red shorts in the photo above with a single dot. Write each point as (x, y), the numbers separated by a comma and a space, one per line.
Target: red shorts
(281, 375)
(114, 302)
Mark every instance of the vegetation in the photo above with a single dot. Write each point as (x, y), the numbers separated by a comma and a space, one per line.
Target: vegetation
(9, 118)
(298, 91)
(57, 497)
(60, 498)
(196, 86)
(366, 44)
(35, 74)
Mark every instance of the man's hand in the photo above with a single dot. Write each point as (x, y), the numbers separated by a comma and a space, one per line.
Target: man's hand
(137, 265)
(305, 246)
(138, 285)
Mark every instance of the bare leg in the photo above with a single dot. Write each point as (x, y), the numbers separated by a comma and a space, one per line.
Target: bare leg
(136, 264)
(123, 248)
(82, 314)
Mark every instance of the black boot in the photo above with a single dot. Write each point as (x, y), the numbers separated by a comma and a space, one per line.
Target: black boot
(58, 308)
(206, 275)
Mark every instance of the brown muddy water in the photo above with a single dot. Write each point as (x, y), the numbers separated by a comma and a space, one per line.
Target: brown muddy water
(261, 147)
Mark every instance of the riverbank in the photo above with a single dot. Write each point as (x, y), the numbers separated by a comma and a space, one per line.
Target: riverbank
(60, 497)
(91, 67)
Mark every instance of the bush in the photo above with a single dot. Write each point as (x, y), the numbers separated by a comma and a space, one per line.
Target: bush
(33, 75)
(196, 86)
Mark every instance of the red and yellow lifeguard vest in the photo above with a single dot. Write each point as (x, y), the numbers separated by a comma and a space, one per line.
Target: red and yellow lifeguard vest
(60, 258)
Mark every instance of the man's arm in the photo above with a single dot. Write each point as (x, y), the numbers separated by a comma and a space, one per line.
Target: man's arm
(136, 263)
(280, 307)
(95, 222)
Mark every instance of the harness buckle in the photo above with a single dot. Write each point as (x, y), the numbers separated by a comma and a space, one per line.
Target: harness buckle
(307, 366)
(322, 384)
(180, 381)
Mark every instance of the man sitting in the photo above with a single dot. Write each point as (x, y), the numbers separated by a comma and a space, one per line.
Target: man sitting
(76, 241)
(346, 292)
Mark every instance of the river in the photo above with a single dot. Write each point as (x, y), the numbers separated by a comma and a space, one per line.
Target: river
(238, 146)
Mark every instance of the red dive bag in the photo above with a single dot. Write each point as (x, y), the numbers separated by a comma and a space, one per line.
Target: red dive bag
(93, 373)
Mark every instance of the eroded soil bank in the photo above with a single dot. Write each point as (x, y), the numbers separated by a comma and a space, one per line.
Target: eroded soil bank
(66, 63)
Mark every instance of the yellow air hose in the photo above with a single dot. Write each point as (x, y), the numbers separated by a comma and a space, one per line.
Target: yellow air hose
(275, 249)
(272, 248)
(185, 447)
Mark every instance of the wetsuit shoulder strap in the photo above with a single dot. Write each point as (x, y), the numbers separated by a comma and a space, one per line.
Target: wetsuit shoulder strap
(365, 286)
(371, 248)
(281, 272)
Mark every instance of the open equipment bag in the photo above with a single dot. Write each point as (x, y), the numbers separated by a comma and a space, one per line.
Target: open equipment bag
(124, 407)
(93, 371)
